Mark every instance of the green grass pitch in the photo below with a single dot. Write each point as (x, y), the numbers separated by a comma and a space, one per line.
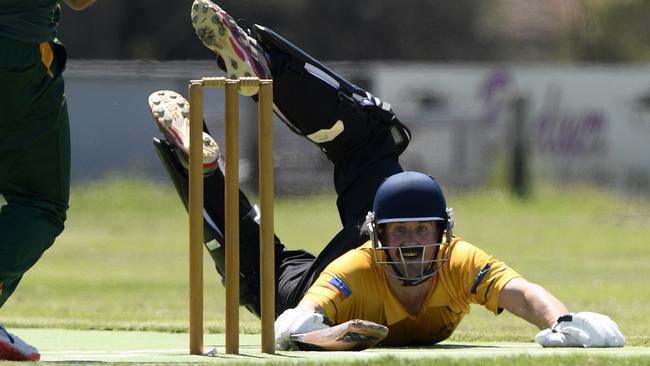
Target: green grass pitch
(121, 266)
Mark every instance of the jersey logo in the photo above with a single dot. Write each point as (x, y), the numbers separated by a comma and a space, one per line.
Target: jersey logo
(479, 278)
(339, 287)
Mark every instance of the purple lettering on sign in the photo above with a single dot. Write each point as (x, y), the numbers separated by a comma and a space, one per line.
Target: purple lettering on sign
(493, 95)
(562, 133)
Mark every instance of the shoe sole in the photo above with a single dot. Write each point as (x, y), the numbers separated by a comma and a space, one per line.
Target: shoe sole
(9, 353)
(171, 111)
(219, 32)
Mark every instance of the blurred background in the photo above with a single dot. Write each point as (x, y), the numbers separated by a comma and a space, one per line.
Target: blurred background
(507, 99)
(500, 92)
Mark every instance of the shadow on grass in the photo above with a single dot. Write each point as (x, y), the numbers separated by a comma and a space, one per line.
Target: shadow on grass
(439, 346)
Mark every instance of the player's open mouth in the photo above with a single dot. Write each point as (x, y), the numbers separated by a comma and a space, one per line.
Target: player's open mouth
(411, 252)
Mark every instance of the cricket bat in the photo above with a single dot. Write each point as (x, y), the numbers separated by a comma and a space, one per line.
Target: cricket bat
(353, 335)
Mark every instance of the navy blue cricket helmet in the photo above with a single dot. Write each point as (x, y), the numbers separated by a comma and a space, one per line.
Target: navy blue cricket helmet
(409, 196)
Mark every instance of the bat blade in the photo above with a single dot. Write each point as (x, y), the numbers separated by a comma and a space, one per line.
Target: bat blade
(353, 335)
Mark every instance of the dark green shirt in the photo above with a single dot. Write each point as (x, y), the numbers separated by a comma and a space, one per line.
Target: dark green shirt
(32, 21)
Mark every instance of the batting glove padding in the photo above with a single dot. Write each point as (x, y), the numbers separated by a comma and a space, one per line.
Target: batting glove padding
(293, 321)
(583, 329)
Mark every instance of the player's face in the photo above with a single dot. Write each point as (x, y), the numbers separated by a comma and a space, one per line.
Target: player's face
(411, 246)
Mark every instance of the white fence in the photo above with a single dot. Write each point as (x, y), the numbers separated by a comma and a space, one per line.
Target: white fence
(585, 122)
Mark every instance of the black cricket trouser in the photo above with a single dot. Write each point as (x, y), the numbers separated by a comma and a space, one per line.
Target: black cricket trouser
(364, 154)
(358, 172)
(34, 156)
(356, 180)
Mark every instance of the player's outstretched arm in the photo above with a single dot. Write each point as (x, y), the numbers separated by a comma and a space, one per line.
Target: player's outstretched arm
(559, 327)
(79, 4)
(531, 302)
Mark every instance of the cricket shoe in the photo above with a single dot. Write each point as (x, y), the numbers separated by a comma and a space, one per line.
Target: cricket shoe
(13, 348)
(219, 32)
(171, 113)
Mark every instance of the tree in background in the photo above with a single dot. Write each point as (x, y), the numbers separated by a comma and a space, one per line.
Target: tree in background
(331, 30)
(426, 30)
(614, 31)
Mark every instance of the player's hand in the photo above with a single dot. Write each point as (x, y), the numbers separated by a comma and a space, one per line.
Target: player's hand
(584, 329)
(293, 321)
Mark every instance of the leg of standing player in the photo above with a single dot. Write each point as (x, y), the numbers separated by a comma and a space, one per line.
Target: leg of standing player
(35, 151)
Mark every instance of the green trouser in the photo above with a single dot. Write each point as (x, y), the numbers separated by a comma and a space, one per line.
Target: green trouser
(34, 156)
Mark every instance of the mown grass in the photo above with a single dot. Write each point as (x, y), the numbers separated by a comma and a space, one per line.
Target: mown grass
(122, 261)
(491, 361)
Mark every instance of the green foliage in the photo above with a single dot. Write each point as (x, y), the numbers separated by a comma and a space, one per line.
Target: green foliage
(467, 30)
(614, 31)
(330, 30)
(122, 261)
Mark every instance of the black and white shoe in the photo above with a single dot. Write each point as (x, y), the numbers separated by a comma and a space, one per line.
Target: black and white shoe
(241, 55)
(171, 114)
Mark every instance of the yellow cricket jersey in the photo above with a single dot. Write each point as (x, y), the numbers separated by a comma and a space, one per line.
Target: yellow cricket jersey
(355, 287)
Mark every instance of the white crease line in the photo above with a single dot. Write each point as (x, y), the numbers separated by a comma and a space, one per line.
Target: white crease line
(130, 352)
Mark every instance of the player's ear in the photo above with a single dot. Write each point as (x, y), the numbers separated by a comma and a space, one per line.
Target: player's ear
(440, 229)
(381, 233)
(381, 229)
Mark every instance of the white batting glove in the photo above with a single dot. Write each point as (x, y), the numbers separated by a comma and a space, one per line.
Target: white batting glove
(293, 321)
(583, 329)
